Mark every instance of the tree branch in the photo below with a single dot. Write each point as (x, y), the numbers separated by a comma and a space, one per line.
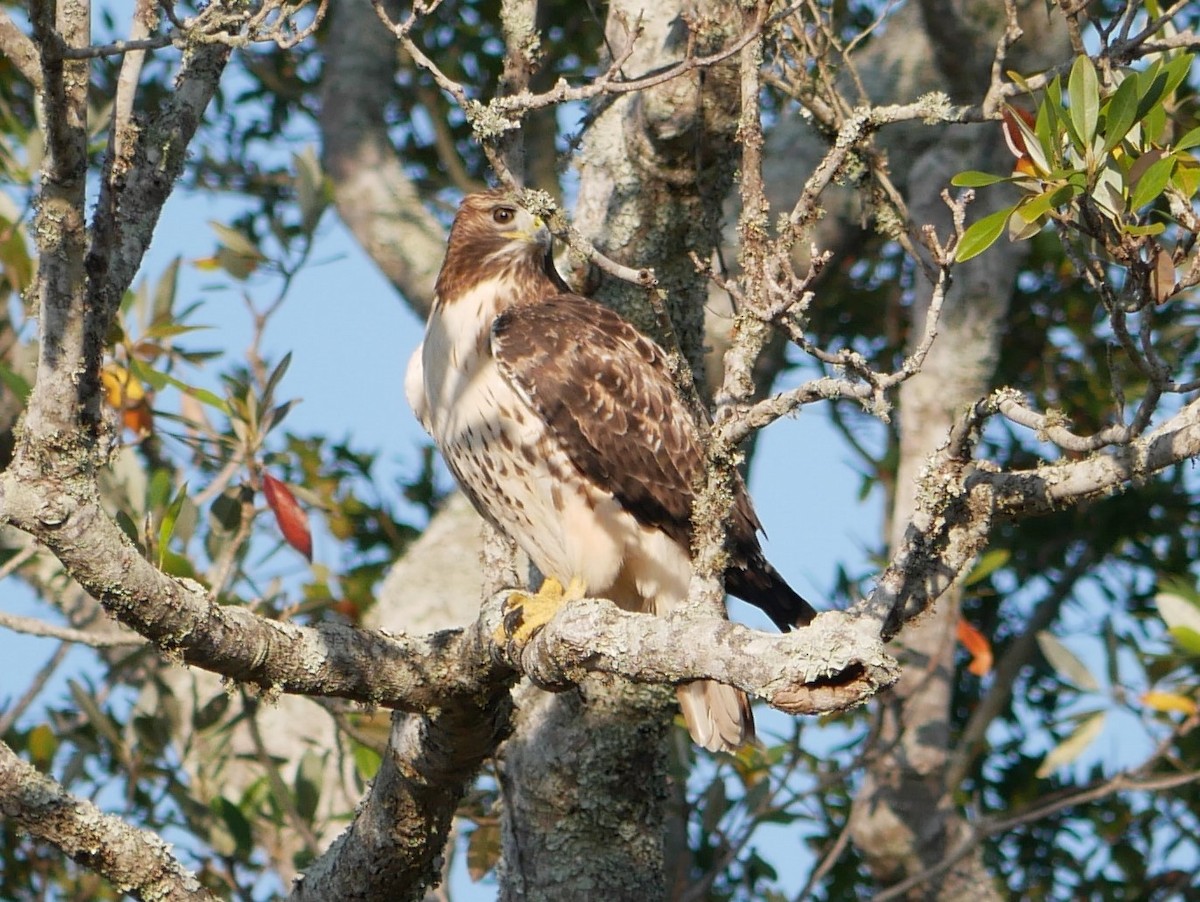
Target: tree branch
(958, 501)
(177, 615)
(828, 666)
(137, 862)
(34, 627)
(393, 848)
(15, 45)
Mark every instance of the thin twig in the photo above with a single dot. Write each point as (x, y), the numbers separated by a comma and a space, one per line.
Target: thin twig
(31, 626)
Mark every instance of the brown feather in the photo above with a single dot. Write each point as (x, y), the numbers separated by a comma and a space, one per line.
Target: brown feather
(548, 408)
(604, 390)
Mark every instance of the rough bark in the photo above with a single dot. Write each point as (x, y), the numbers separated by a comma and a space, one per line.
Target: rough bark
(654, 170)
(136, 861)
(394, 848)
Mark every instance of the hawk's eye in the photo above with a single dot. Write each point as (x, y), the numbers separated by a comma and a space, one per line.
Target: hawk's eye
(504, 215)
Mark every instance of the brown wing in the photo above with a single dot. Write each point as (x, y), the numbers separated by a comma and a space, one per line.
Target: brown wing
(603, 390)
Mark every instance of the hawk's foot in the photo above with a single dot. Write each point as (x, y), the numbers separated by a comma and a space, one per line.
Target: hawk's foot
(525, 614)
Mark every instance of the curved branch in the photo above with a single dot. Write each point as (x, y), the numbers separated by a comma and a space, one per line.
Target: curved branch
(409, 673)
(136, 861)
(958, 502)
(830, 665)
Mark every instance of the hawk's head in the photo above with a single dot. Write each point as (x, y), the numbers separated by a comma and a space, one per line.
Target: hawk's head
(493, 237)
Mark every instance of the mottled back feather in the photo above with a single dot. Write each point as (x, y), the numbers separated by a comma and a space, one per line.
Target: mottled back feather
(604, 391)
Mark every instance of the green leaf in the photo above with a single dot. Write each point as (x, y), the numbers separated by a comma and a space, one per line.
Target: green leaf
(988, 564)
(236, 823)
(1176, 71)
(237, 241)
(366, 761)
(125, 522)
(1186, 178)
(1083, 89)
(167, 526)
(1033, 208)
(1074, 745)
(15, 382)
(1119, 113)
(273, 379)
(210, 712)
(1137, 231)
(1065, 664)
(1187, 639)
(309, 779)
(1046, 123)
(237, 265)
(1191, 139)
(164, 294)
(171, 330)
(982, 234)
(1152, 183)
(974, 179)
(160, 380)
(1151, 84)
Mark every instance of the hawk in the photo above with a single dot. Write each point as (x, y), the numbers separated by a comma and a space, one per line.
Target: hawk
(562, 425)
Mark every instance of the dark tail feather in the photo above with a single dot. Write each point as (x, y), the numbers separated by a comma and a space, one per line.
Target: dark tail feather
(757, 582)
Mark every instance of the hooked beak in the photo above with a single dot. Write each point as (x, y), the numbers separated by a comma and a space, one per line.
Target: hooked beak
(537, 234)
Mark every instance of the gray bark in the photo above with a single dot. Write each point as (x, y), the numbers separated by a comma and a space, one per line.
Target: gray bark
(654, 171)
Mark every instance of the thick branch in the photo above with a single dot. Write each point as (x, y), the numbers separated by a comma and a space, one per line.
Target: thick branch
(830, 665)
(137, 862)
(402, 672)
(392, 850)
(59, 227)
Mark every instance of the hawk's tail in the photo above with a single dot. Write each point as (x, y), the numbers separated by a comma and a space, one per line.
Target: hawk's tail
(717, 716)
(757, 582)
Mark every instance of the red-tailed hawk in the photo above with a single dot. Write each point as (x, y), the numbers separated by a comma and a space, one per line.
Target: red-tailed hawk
(562, 425)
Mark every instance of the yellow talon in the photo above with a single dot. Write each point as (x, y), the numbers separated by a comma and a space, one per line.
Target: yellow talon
(525, 614)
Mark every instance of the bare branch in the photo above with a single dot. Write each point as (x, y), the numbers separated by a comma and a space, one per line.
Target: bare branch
(829, 665)
(137, 862)
(31, 626)
(958, 500)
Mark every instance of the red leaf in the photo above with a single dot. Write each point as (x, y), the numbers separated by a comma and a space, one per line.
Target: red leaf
(977, 644)
(291, 517)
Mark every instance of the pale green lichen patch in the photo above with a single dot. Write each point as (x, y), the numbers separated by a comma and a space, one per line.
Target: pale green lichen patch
(490, 121)
(935, 107)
